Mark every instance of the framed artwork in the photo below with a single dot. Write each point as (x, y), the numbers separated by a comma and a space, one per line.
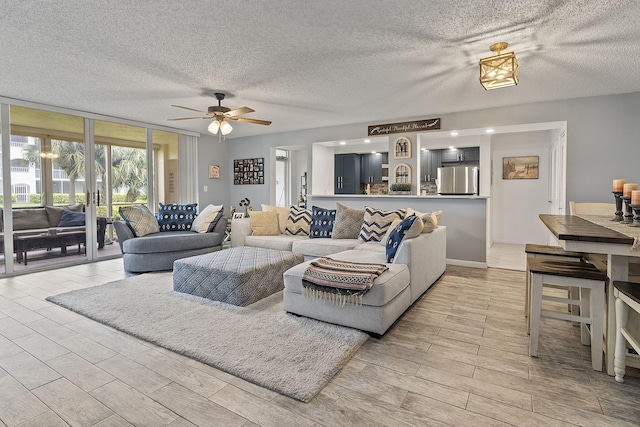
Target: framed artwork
(238, 215)
(402, 174)
(402, 148)
(248, 171)
(214, 171)
(524, 167)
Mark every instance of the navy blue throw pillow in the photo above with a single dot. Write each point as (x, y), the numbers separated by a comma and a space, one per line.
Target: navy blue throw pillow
(176, 217)
(396, 236)
(71, 219)
(321, 222)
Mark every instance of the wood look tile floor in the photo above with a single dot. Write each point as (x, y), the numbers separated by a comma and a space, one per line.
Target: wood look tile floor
(458, 357)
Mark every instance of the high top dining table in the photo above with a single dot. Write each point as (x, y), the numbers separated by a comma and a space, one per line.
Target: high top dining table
(596, 234)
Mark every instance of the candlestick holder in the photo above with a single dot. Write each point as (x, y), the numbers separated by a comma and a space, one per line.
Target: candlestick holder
(636, 218)
(618, 196)
(628, 216)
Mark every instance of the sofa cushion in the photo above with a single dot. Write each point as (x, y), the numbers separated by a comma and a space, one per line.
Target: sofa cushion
(298, 221)
(398, 232)
(376, 222)
(323, 247)
(55, 212)
(430, 220)
(173, 217)
(264, 223)
(414, 231)
(208, 215)
(371, 246)
(283, 214)
(321, 222)
(140, 219)
(385, 288)
(348, 222)
(24, 219)
(282, 242)
(171, 241)
(71, 219)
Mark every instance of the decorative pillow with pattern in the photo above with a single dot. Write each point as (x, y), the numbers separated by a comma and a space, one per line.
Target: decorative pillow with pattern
(211, 214)
(176, 217)
(414, 231)
(348, 222)
(376, 222)
(322, 221)
(299, 221)
(140, 220)
(397, 234)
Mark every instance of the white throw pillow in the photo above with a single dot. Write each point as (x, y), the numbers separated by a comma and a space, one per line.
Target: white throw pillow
(204, 218)
(430, 220)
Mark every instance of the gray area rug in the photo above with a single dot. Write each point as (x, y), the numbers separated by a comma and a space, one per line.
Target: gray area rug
(291, 355)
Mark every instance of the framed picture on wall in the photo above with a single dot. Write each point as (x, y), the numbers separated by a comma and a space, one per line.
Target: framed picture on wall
(248, 171)
(524, 167)
(214, 171)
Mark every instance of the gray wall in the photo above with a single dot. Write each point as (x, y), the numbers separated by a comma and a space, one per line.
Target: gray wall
(602, 135)
(602, 144)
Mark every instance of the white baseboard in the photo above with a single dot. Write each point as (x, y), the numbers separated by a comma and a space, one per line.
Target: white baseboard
(463, 263)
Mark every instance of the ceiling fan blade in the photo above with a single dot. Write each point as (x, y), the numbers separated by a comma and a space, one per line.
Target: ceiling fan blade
(239, 111)
(190, 109)
(190, 118)
(254, 121)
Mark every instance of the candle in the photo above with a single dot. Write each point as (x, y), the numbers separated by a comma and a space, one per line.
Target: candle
(628, 188)
(635, 197)
(617, 184)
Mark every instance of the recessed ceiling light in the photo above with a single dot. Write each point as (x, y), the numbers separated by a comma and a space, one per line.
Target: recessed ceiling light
(367, 141)
(423, 149)
(343, 142)
(373, 152)
(452, 148)
(454, 133)
(490, 130)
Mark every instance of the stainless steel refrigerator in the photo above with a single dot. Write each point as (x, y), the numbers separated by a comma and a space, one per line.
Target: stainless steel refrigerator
(458, 180)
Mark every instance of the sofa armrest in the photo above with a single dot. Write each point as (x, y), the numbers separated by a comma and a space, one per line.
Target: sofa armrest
(123, 232)
(426, 258)
(240, 228)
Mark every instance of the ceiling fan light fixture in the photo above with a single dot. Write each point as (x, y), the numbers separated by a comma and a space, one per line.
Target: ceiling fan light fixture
(214, 126)
(225, 128)
(500, 70)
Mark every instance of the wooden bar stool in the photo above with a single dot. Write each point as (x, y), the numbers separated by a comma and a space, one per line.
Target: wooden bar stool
(591, 283)
(546, 252)
(627, 296)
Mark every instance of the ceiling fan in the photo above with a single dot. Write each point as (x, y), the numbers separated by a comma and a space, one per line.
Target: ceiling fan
(221, 115)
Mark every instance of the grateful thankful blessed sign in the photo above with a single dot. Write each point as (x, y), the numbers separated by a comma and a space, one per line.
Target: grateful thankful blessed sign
(415, 126)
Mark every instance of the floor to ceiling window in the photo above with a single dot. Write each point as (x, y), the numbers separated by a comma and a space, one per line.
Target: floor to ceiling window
(45, 173)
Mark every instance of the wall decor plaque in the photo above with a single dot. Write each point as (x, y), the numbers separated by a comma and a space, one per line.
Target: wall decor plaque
(403, 127)
(214, 171)
(248, 171)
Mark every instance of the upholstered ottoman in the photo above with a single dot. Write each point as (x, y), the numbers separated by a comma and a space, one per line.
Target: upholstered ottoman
(239, 276)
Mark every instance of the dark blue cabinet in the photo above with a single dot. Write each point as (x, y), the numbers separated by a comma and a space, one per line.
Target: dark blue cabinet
(347, 174)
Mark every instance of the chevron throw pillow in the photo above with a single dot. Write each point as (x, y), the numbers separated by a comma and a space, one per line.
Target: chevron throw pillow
(376, 222)
(299, 221)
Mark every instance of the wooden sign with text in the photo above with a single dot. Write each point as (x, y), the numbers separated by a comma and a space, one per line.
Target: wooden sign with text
(403, 127)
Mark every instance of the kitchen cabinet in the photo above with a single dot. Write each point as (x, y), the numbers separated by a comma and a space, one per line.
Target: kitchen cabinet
(371, 168)
(430, 161)
(346, 174)
(461, 155)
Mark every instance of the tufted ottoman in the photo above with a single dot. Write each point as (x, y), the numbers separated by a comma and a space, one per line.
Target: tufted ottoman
(239, 276)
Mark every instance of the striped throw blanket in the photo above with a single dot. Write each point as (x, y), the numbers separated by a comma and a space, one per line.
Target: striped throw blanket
(340, 282)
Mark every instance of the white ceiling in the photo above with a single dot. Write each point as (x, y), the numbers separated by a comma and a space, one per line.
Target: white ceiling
(304, 64)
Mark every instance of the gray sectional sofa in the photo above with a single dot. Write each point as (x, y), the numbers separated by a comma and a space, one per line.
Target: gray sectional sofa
(158, 251)
(419, 263)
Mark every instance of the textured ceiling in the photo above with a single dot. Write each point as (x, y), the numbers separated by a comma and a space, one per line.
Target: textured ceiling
(304, 64)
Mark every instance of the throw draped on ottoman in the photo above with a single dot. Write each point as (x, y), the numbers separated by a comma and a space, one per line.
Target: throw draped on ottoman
(239, 276)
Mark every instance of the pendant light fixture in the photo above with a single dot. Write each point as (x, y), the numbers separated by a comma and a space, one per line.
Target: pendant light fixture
(500, 70)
